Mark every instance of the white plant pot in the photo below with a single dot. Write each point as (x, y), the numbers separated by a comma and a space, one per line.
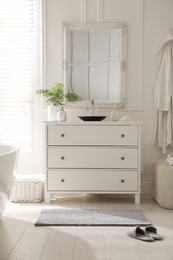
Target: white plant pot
(52, 113)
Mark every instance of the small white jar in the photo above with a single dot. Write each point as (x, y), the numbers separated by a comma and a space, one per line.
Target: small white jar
(61, 115)
(115, 115)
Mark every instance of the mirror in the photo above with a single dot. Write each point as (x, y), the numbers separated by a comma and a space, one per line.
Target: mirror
(95, 61)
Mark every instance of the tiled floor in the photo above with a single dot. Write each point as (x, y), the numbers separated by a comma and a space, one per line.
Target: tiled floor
(20, 239)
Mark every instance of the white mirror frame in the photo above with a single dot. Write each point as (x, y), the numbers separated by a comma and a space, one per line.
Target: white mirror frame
(98, 26)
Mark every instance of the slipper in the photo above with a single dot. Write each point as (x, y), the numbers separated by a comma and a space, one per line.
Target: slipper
(152, 231)
(139, 233)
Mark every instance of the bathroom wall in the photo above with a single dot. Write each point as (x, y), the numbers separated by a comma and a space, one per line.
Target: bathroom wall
(148, 23)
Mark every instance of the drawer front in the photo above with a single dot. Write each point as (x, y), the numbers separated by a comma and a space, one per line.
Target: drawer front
(95, 180)
(91, 157)
(92, 135)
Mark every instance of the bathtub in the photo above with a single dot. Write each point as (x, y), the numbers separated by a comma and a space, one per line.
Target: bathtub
(8, 155)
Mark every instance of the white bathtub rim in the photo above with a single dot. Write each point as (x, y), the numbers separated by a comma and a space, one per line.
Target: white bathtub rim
(11, 149)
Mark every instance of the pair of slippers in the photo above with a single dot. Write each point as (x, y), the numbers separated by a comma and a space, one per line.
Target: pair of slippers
(147, 234)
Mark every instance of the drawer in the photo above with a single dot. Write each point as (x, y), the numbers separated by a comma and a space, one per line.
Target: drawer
(95, 180)
(91, 157)
(92, 135)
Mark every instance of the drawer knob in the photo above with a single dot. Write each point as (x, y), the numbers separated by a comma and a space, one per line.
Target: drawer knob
(62, 180)
(122, 158)
(122, 181)
(62, 135)
(123, 135)
(62, 157)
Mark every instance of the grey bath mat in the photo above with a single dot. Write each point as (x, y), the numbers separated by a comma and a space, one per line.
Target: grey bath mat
(92, 217)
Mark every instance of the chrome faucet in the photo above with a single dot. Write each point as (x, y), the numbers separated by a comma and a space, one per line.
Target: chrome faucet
(92, 108)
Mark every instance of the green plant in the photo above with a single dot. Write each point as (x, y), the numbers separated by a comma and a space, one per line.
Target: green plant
(56, 95)
(71, 96)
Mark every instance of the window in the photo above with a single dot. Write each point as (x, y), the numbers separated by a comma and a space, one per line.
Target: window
(20, 44)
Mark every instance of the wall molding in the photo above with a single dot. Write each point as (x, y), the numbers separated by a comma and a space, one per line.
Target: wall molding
(139, 72)
(99, 11)
(43, 50)
(139, 57)
(140, 50)
(83, 11)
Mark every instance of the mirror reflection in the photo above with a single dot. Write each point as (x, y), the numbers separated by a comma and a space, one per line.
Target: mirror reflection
(95, 61)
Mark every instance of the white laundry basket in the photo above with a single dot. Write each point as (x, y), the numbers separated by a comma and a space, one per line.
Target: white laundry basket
(163, 184)
(28, 188)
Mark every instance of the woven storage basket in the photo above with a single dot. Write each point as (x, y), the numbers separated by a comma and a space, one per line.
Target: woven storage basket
(28, 188)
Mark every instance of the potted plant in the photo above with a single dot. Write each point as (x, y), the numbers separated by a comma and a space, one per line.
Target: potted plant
(55, 99)
(72, 96)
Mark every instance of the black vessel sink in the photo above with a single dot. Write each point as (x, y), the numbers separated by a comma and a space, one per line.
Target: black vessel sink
(92, 118)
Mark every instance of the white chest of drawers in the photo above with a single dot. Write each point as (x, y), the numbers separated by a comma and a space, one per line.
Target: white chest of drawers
(93, 157)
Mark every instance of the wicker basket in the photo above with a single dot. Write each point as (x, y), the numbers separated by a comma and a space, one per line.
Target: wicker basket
(28, 188)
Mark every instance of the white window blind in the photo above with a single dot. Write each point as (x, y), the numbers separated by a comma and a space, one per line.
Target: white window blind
(19, 45)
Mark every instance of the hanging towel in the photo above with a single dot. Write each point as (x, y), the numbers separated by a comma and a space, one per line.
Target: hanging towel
(163, 93)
